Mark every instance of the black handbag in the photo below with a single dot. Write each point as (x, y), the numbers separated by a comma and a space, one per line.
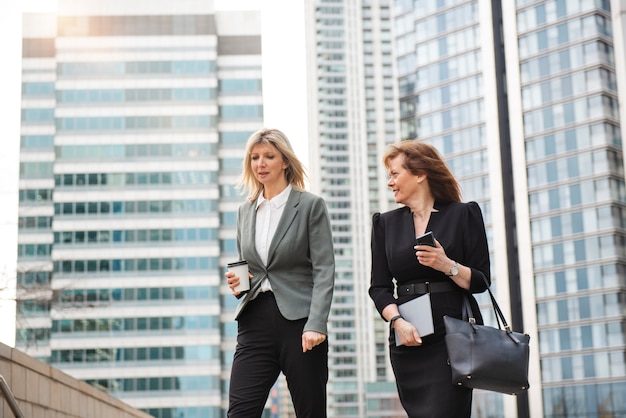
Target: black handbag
(484, 357)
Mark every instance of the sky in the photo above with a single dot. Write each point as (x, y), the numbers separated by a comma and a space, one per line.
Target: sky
(284, 89)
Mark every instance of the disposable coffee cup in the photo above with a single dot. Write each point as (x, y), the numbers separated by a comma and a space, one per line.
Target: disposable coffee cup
(240, 268)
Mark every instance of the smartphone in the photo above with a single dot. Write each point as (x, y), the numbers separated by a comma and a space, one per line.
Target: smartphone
(427, 239)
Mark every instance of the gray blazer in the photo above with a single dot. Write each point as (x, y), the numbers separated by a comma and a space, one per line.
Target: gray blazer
(301, 260)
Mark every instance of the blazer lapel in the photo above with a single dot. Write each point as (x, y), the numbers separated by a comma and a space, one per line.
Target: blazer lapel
(249, 235)
(289, 214)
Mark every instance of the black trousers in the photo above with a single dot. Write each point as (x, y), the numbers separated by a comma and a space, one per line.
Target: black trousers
(268, 344)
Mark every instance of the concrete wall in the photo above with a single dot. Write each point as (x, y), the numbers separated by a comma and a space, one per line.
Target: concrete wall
(42, 391)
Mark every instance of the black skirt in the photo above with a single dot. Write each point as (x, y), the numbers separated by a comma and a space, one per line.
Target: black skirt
(424, 381)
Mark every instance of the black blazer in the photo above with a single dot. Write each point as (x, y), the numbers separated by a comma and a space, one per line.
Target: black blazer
(458, 227)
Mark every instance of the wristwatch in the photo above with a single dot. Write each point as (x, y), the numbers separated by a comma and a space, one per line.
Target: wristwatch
(454, 270)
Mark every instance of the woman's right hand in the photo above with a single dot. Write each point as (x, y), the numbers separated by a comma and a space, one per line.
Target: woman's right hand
(233, 281)
(407, 333)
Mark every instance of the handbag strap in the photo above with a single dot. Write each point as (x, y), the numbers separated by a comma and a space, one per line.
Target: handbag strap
(469, 316)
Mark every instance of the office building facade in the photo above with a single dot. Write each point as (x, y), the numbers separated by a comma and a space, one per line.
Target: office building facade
(565, 70)
(352, 104)
(134, 121)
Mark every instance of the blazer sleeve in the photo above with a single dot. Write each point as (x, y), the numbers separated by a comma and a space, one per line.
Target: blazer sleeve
(476, 249)
(381, 284)
(239, 252)
(323, 263)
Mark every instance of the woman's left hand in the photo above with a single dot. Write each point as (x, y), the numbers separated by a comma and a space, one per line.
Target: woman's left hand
(311, 339)
(433, 257)
(436, 258)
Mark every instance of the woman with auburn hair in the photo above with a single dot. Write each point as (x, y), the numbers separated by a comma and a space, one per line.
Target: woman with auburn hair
(284, 234)
(454, 263)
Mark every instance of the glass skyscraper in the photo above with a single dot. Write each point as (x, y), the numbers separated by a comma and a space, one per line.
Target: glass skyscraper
(134, 120)
(449, 97)
(565, 66)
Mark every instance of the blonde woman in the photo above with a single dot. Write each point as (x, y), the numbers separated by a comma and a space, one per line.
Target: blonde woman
(284, 234)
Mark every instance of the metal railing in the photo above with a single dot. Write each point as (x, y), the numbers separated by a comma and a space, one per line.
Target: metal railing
(8, 395)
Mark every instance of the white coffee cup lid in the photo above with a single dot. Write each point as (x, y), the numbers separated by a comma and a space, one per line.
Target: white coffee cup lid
(237, 263)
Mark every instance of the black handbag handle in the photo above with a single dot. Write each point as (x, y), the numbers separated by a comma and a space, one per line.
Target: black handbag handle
(469, 316)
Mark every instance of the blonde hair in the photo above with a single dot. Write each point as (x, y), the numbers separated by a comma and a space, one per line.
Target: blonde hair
(294, 173)
(422, 158)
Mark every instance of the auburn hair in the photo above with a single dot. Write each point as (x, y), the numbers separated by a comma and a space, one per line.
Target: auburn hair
(422, 158)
